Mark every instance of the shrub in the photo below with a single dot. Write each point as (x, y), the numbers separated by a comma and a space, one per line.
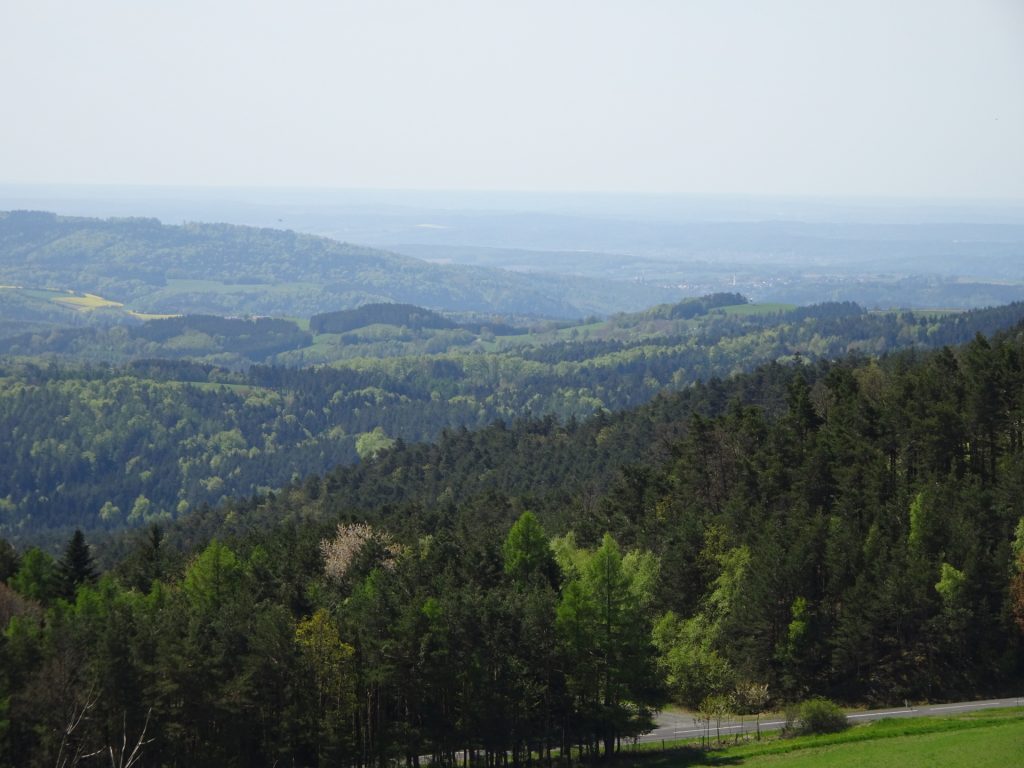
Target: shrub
(821, 716)
(791, 712)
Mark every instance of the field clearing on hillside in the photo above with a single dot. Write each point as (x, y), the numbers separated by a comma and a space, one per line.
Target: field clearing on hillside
(86, 302)
(149, 315)
(758, 309)
(71, 299)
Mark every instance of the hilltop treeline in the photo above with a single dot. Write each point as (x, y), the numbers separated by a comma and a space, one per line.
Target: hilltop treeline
(229, 341)
(854, 529)
(689, 308)
(402, 315)
(406, 315)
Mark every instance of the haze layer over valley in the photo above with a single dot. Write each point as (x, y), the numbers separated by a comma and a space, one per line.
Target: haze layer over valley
(880, 253)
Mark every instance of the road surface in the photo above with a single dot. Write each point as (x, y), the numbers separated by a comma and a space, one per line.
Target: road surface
(681, 725)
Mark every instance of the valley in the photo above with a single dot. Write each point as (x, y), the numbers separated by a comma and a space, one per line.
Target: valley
(496, 527)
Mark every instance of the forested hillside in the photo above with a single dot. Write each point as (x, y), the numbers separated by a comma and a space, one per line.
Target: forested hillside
(853, 528)
(102, 447)
(228, 270)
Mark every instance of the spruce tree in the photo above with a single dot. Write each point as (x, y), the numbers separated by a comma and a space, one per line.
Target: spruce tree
(9, 560)
(75, 567)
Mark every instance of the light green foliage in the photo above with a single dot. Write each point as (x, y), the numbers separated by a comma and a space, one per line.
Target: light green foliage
(36, 575)
(526, 550)
(331, 662)
(726, 587)
(607, 634)
(228, 441)
(689, 648)
(642, 570)
(798, 626)
(110, 513)
(432, 608)
(608, 586)
(1018, 544)
(950, 585)
(576, 617)
(693, 669)
(213, 577)
(369, 444)
(142, 510)
(570, 558)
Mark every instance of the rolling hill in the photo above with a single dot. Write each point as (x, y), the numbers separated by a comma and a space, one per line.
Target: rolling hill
(232, 270)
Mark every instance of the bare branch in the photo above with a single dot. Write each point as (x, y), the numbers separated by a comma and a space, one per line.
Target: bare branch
(75, 720)
(136, 754)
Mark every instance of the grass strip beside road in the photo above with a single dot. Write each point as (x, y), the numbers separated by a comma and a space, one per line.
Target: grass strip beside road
(991, 739)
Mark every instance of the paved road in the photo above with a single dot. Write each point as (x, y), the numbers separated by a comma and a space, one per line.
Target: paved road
(681, 725)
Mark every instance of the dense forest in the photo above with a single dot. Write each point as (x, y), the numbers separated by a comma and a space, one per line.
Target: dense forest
(406, 316)
(850, 528)
(103, 447)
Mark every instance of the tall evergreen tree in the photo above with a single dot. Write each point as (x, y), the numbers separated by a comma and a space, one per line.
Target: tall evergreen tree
(9, 560)
(75, 567)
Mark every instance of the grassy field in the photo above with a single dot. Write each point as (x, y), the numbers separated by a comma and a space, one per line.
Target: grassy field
(992, 739)
(149, 315)
(758, 309)
(87, 301)
(81, 302)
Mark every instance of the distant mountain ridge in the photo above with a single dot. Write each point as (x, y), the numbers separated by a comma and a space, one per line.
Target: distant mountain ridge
(227, 269)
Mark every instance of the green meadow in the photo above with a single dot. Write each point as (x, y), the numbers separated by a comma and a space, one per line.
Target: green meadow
(993, 739)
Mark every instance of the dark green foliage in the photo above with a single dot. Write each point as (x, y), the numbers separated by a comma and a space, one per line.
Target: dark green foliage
(9, 560)
(148, 561)
(406, 315)
(820, 715)
(75, 568)
(232, 342)
(690, 308)
(137, 445)
(849, 529)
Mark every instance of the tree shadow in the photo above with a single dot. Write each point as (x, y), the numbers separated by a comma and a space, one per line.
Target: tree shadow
(676, 757)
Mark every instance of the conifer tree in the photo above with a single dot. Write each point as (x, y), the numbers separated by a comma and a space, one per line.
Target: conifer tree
(75, 567)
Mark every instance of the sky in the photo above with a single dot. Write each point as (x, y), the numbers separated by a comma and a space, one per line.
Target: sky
(890, 98)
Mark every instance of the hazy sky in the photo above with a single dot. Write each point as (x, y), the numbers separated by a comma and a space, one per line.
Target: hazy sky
(920, 98)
